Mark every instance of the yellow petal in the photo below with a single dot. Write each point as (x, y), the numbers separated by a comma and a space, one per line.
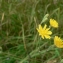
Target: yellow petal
(58, 42)
(53, 23)
(49, 32)
(42, 36)
(46, 36)
(45, 27)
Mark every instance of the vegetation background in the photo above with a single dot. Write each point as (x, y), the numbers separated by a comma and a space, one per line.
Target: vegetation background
(19, 40)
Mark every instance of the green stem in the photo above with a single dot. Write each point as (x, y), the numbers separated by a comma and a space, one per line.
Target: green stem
(36, 52)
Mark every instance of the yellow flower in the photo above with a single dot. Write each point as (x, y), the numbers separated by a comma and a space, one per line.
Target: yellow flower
(44, 32)
(58, 42)
(53, 23)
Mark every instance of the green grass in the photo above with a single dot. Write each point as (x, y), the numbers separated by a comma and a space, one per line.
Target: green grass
(19, 40)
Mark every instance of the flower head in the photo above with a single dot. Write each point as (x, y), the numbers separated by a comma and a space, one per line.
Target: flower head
(58, 42)
(53, 23)
(44, 32)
